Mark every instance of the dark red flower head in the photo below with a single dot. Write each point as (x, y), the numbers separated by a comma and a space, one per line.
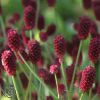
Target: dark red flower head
(34, 51)
(25, 2)
(88, 78)
(43, 36)
(9, 62)
(59, 46)
(93, 29)
(96, 8)
(84, 27)
(47, 77)
(14, 41)
(75, 26)
(94, 49)
(51, 3)
(33, 3)
(51, 29)
(41, 22)
(61, 89)
(34, 96)
(29, 17)
(87, 4)
(49, 98)
(16, 16)
(43, 73)
(50, 80)
(24, 80)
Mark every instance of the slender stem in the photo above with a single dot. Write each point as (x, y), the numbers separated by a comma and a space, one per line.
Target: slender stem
(30, 34)
(37, 13)
(28, 86)
(75, 68)
(36, 76)
(81, 96)
(3, 28)
(63, 75)
(20, 83)
(15, 86)
(57, 86)
(90, 93)
(39, 92)
(64, 79)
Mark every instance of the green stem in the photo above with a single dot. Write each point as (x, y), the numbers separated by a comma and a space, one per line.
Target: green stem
(81, 96)
(57, 86)
(64, 79)
(21, 92)
(75, 68)
(90, 93)
(3, 28)
(63, 75)
(16, 89)
(0, 91)
(29, 85)
(30, 34)
(36, 76)
(39, 92)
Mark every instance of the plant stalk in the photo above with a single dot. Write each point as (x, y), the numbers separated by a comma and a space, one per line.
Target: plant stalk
(16, 89)
(81, 96)
(75, 68)
(57, 86)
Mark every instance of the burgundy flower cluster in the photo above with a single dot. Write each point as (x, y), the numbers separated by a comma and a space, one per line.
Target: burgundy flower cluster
(34, 50)
(59, 46)
(88, 78)
(94, 49)
(93, 4)
(9, 62)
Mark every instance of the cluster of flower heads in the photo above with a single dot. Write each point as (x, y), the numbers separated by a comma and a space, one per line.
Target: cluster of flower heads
(94, 5)
(31, 50)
